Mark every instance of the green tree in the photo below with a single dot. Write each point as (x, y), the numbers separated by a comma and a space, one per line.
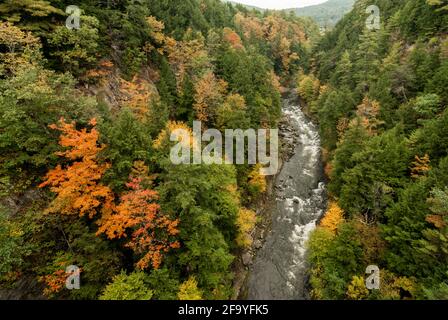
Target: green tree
(128, 287)
(75, 50)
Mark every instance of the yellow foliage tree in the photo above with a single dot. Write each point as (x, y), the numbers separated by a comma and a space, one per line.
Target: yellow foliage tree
(357, 289)
(333, 217)
(308, 87)
(245, 223)
(156, 34)
(392, 286)
(189, 290)
(256, 180)
(163, 139)
(182, 56)
(20, 47)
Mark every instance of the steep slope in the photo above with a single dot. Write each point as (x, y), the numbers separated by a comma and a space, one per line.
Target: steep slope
(381, 101)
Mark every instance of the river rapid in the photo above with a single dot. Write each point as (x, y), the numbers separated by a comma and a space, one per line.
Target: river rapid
(279, 271)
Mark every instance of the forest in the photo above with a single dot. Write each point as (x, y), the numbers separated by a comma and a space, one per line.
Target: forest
(380, 97)
(85, 123)
(86, 114)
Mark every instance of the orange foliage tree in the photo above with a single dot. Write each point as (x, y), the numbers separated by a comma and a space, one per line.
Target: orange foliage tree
(79, 192)
(209, 94)
(137, 96)
(152, 231)
(233, 39)
(368, 112)
(420, 166)
(77, 185)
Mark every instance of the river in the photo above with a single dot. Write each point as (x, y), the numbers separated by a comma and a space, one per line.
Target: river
(279, 271)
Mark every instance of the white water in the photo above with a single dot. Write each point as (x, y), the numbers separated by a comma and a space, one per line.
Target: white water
(280, 269)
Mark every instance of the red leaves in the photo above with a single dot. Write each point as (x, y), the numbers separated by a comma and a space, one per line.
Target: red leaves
(79, 191)
(152, 231)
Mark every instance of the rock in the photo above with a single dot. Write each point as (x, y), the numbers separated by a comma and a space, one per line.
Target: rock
(247, 259)
(257, 244)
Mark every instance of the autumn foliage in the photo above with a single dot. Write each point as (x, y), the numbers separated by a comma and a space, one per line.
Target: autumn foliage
(368, 112)
(54, 282)
(189, 290)
(152, 231)
(136, 96)
(79, 192)
(233, 39)
(245, 222)
(209, 93)
(420, 166)
(333, 217)
(77, 185)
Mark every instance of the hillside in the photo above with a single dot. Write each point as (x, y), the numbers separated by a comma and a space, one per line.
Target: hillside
(380, 98)
(326, 14)
(106, 177)
(86, 115)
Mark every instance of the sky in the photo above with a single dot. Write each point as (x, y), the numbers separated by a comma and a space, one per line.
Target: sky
(280, 4)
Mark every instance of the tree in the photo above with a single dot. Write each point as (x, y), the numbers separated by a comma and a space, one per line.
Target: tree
(77, 186)
(232, 113)
(209, 94)
(245, 223)
(434, 245)
(333, 217)
(75, 50)
(32, 14)
(137, 97)
(420, 166)
(21, 48)
(357, 289)
(334, 260)
(13, 248)
(232, 38)
(165, 283)
(152, 231)
(188, 290)
(201, 196)
(30, 100)
(368, 187)
(256, 182)
(343, 74)
(308, 87)
(127, 140)
(367, 59)
(438, 3)
(128, 287)
(368, 112)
